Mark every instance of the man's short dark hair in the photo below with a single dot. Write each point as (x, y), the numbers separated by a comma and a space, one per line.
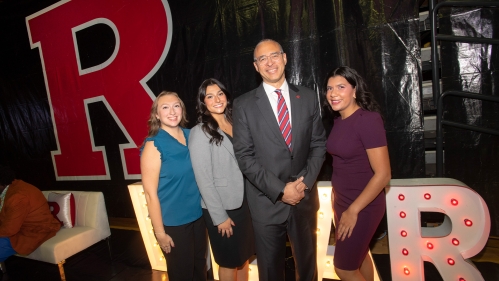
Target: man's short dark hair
(7, 175)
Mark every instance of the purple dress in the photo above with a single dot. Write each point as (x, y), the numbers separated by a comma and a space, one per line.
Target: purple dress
(347, 143)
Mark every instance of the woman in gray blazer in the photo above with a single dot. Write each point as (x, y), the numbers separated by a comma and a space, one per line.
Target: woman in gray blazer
(221, 182)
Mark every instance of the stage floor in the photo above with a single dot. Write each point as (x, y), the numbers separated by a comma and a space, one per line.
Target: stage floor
(129, 261)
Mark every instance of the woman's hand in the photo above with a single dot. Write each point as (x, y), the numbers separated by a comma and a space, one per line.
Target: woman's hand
(165, 242)
(380, 163)
(347, 223)
(226, 227)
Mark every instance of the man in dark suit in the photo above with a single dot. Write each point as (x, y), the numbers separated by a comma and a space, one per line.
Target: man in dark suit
(279, 142)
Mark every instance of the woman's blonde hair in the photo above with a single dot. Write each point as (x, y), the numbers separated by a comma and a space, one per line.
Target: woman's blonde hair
(154, 123)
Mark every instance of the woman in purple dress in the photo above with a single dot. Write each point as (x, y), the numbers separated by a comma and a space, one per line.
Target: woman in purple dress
(361, 170)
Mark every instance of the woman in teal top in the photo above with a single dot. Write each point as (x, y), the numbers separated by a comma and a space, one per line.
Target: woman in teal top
(172, 196)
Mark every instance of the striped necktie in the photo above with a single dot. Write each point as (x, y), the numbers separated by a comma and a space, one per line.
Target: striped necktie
(283, 117)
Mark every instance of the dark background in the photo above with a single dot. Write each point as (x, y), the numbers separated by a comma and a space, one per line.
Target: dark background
(215, 38)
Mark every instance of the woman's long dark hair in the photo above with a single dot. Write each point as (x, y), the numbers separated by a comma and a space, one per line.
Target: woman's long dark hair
(210, 125)
(364, 98)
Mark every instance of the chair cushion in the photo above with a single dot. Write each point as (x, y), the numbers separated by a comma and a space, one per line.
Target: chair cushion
(67, 242)
(63, 208)
(91, 226)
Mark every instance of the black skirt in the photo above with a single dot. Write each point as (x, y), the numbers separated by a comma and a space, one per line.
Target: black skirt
(234, 251)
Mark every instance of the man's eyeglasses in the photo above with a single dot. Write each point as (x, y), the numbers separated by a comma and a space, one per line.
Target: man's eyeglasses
(274, 57)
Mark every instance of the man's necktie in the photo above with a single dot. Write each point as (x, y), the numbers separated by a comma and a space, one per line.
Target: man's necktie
(283, 117)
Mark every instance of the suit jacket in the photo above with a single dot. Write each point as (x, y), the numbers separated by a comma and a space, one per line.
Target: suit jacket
(217, 174)
(25, 218)
(266, 161)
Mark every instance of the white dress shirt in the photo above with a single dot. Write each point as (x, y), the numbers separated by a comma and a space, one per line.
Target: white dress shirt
(272, 95)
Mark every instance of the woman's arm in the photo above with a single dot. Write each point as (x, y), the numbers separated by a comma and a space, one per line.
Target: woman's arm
(150, 166)
(380, 163)
(200, 150)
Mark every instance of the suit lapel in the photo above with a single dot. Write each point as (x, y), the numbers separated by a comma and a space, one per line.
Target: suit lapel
(267, 112)
(227, 143)
(296, 114)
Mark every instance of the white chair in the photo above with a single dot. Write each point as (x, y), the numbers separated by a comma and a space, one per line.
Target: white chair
(91, 226)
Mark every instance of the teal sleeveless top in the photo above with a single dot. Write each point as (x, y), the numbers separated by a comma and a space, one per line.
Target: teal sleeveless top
(177, 189)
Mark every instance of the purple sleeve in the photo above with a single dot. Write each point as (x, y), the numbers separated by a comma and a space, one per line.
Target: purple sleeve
(371, 130)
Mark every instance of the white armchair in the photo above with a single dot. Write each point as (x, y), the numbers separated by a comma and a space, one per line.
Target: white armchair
(91, 226)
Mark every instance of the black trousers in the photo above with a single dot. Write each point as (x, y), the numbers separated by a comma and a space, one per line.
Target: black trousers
(270, 243)
(187, 260)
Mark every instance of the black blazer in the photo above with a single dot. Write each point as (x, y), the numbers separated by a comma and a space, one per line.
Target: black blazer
(264, 158)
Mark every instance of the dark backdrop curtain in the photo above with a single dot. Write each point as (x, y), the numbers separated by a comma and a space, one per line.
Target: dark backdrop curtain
(215, 38)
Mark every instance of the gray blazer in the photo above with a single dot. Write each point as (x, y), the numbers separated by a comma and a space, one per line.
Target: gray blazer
(217, 174)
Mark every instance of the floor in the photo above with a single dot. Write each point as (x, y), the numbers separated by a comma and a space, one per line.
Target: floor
(129, 261)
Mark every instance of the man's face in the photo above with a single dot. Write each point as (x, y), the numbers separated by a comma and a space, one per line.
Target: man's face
(270, 63)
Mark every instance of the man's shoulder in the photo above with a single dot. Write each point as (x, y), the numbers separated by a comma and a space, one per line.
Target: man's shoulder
(298, 88)
(306, 95)
(246, 96)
